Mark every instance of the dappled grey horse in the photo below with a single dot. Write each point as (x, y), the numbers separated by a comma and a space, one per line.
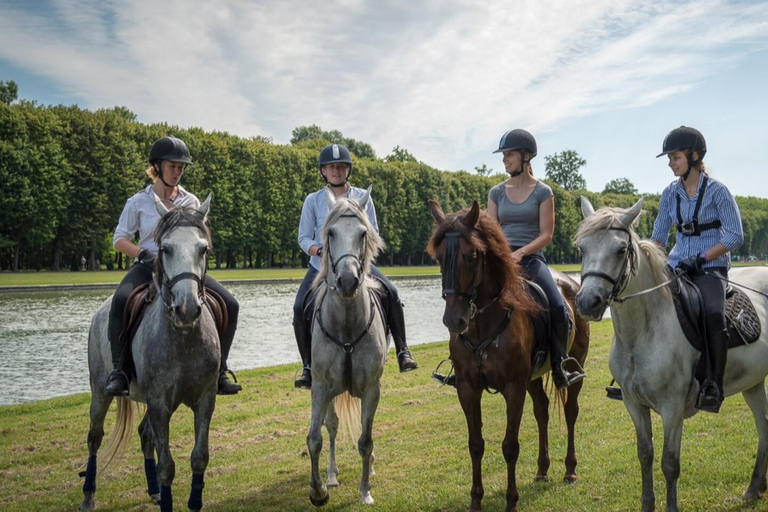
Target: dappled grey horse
(349, 340)
(176, 355)
(650, 356)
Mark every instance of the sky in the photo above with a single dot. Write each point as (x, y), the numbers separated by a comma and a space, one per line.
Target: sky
(443, 79)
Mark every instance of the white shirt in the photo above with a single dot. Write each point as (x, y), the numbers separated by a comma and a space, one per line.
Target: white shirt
(140, 214)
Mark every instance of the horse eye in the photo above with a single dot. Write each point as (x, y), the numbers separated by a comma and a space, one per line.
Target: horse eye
(330, 233)
(167, 250)
(622, 249)
(204, 250)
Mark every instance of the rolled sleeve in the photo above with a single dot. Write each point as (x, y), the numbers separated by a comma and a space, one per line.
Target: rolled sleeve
(730, 217)
(128, 224)
(663, 222)
(307, 226)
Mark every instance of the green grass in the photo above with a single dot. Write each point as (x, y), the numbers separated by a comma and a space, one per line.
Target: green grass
(259, 460)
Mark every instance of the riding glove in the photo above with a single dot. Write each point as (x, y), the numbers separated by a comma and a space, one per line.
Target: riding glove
(694, 264)
(146, 257)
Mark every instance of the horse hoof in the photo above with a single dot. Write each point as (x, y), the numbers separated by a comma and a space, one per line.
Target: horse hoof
(367, 499)
(320, 502)
(541, 478)
(155, 498)
(570, 479)
(88, 503)
(332, 481)
(751, 496)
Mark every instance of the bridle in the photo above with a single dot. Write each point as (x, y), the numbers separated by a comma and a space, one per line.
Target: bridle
(167, 283)
(628, 268)
(451, 284)
(358, 259)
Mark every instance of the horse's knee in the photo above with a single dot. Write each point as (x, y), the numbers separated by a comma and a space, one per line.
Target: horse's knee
(511, 450)
(670, 465)
(315, 442)
(166, 470)
(365, 446)
(477, 446)
(199, 460)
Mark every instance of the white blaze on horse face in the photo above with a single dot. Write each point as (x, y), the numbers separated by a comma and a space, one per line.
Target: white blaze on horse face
(184, 249)
(347, 237)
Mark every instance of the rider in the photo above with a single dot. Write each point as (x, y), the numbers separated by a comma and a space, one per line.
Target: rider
(335, 164)
(168, 159)
(525, 209)
(708, 229)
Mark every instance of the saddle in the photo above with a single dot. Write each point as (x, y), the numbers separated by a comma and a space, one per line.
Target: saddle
(741, 319)
(145, 294)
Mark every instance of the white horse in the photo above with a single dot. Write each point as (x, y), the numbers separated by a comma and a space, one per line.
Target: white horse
(650, 356)
(349, 340)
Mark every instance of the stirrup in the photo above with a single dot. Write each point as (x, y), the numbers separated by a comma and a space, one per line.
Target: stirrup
(713, 403)
(612, 392)
(578, 366)
(301, 383)
(234, 387)
(114, 376)
(405, 362)
(444, 379)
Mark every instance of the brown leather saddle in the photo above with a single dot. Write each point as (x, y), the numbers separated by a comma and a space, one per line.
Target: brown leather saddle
(145, 294)
(741, 318)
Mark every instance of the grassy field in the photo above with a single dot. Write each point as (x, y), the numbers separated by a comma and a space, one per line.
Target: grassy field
(259, 460)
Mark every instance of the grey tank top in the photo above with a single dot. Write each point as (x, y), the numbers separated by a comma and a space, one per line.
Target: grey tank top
(520, 221)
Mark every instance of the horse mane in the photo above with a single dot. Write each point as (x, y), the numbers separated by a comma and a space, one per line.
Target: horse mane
(177, 217)
(605, 218)
(488, 238)
(373, 241)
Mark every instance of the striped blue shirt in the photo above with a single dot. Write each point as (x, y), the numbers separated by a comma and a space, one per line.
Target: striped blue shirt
(313, 215)
(718, 203)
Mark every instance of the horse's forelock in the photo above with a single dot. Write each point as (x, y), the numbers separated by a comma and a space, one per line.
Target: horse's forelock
(181, 216)
(602, 219)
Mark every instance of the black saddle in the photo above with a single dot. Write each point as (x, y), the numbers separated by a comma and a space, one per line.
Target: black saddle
(741, 319)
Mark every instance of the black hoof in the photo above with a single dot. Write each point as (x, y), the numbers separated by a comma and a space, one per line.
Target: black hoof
(320, 503)
(614, 393)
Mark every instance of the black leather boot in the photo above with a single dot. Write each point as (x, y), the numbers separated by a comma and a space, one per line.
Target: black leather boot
(397, 327)
(226, 386)
(304, 342)
(558, 343)
(117, 382)
(711, 395)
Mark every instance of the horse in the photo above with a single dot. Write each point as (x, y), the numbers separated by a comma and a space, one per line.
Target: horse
(489, 312)
(650, 356)
(175, 351)
(349, 339)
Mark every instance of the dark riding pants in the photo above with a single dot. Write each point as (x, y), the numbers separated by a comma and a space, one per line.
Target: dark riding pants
(713, 295)
(535, 267)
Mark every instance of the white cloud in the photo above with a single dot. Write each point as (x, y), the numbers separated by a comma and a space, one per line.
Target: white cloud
(442, 79)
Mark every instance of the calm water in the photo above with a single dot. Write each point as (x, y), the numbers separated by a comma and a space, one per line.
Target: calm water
(44, 336)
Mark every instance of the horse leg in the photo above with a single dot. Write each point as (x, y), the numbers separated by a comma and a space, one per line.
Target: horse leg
(470, 403)
(541, 412)
(150, 466)
(515, 397)
(99, 408)
(199, 459)
(758, 402)
(332, 425)
(159, 421)
(571, 415)
(672, 420)
(369, 404)
(318, 492)
(641, 416)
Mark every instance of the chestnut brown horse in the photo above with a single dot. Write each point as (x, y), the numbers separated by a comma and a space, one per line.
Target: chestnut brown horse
(490, 312)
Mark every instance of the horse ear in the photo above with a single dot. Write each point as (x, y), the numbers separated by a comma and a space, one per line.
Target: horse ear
(204, 208)
(330, 198)
(628, 218)
(364, 200)
(586, 207)
(473, 215)
(160, 207)
(437, 212)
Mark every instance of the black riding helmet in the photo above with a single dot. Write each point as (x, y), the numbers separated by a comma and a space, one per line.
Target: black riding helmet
(518, 139)
(685, 139)
(169, 148)
(333, 153)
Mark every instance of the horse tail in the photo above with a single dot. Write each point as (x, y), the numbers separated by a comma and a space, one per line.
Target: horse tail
(125, 423)
(348, 409)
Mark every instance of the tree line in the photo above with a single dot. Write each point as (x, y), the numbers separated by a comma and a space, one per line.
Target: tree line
(67, 172)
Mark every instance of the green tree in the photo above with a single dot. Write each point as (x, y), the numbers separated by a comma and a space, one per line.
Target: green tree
(400, 155)
(620, 186)
(563, 169)
(484, 170)
(313, 132)
(9, 92)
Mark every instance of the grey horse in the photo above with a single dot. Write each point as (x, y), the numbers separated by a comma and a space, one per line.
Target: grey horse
(349, 339)
(176, 355)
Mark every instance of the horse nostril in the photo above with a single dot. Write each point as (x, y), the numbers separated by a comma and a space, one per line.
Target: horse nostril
(177, 311)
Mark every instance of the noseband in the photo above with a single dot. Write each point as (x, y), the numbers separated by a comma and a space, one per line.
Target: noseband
(629, 267)
(167, 284)
(451, 284)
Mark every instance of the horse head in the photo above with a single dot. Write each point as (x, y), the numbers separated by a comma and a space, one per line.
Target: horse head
(184, 241)
(608, 246)
(350, 243)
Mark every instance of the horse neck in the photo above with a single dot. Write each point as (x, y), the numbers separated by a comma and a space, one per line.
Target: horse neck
(486, 322)
(348, 315)
(632, 319)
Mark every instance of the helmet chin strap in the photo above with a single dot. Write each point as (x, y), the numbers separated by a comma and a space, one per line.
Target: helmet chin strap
(690, 164)
(160, 175)
(337, 186)
(522, 166)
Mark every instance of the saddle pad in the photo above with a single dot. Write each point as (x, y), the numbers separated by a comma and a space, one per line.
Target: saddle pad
(743, 322)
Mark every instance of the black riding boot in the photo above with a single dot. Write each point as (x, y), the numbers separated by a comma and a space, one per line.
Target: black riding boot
(117, 382)
(558, 344)
(397, 328)
(227, 387)
(711, 395)
(304, 341)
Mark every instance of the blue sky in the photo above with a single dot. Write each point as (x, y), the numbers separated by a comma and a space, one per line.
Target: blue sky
(443, 79)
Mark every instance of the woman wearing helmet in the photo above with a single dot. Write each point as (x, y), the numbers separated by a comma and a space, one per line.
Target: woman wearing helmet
(168, 159)
(708, 228)
(525, 209)
(335, 164)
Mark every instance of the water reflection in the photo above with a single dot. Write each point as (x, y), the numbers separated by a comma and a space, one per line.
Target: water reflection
(44, 336)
